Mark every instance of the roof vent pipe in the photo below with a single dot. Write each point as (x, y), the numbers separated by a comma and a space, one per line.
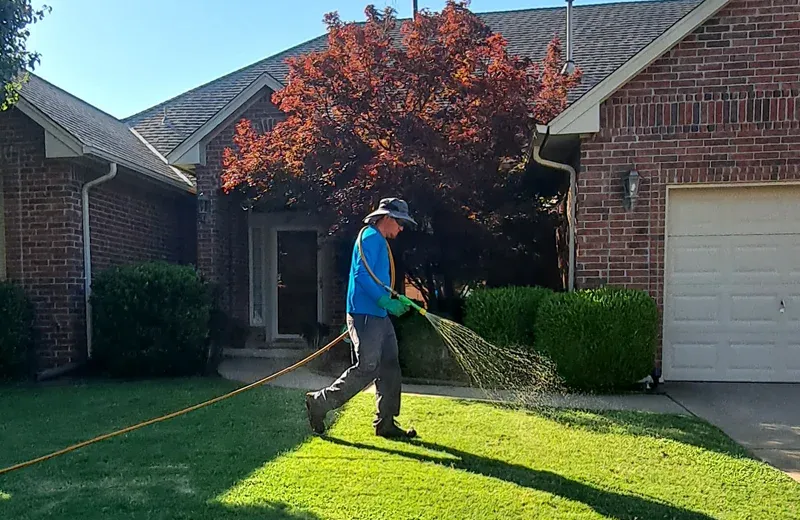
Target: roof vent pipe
(569, 66)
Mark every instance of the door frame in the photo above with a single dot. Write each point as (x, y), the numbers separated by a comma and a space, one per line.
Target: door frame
(273, 275)
(271, 224)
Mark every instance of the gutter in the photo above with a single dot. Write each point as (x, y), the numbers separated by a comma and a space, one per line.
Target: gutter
(535, 152)
(87, 251)
(188, 187)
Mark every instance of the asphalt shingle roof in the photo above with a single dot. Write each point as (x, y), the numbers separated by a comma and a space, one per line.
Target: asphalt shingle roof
(605, 36)
(95, 128)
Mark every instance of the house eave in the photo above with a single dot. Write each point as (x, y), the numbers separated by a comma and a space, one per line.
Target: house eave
(583, 116)
(60, 144)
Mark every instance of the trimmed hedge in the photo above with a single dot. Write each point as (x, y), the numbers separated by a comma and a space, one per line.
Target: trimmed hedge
(150, 319)
(505, 316)
(16, 333)
(599, 339)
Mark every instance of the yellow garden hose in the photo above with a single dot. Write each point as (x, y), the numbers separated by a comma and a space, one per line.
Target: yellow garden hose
(180, 412)
(216, 399)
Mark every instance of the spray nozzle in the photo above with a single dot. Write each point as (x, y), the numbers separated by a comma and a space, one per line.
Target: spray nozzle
(407, 301)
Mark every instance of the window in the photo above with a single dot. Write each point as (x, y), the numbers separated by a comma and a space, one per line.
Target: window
(268, 123)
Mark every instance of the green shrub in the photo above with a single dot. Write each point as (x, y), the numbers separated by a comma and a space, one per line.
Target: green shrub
(423, 354)
(505, 316)
(599, 339)
(16, 332)
(150, 319)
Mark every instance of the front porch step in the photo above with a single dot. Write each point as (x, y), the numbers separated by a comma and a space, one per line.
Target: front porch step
(259, 343)
(292, 354)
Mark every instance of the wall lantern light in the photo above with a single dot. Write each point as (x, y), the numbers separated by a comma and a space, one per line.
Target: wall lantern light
(203, 206)
(631, 185)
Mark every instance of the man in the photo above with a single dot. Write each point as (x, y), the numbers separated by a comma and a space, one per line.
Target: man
(371, 331)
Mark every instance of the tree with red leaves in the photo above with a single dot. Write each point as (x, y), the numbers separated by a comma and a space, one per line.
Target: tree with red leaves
(437, 112)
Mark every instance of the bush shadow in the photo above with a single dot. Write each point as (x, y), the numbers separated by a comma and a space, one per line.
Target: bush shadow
(607, 503)
(680, 428)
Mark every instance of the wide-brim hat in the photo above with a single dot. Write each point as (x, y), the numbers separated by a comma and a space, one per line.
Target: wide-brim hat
(392, 207)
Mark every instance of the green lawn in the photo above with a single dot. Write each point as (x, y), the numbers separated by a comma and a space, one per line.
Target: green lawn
(252, 458)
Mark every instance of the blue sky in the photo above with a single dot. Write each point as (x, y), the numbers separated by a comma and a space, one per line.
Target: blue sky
(124, 57)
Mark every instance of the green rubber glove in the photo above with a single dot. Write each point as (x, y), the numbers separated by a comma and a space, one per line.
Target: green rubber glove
(394, 307)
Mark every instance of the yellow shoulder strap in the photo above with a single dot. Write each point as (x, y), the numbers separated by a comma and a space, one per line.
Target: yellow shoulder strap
(369, 270)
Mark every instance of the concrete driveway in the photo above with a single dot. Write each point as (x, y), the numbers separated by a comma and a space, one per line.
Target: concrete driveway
(764, 418)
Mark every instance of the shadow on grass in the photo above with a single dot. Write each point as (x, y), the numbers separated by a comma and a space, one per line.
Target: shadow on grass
(175, 469)
(607, 503)
(681, 428)
(268, 511)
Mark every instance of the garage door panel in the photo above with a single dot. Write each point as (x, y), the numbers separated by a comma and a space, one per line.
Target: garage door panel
(732, 266)
(734, 211)
(755, 257)
(697, 309)
(793, 358)
(695, 261)
(752, 355)
(694, 355)
(733, 260)
(755, 309)
(792, 310)
(793, 260)
(738, 308)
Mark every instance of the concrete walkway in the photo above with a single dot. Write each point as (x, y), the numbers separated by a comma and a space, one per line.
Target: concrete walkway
(764, 418)
(248, 370)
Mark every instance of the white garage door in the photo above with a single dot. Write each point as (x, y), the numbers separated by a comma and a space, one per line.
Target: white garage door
(732, 286)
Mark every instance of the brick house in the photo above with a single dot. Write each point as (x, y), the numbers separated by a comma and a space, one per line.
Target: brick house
(691, 104)
(53, 146)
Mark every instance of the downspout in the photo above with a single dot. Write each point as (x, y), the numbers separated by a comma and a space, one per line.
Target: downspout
(87, 251)
(536, 152)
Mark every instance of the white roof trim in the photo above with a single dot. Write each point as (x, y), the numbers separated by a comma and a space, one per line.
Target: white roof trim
(74, 144)
(88, 150)
(233, 106)
(150, 147)
(572, 121)
(50, 126)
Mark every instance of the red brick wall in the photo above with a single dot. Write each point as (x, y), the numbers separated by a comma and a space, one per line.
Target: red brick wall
(722, 106)
(130, 221)
(222, 239)
(134, 221)
(43, 236)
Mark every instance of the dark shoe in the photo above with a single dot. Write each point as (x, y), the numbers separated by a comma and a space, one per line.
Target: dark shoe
(390, 430)
(316, 417)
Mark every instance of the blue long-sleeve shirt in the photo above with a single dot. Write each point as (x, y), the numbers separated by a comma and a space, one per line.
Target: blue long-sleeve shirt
(362, 291)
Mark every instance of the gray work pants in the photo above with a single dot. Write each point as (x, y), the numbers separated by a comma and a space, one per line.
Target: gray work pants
(375, 347)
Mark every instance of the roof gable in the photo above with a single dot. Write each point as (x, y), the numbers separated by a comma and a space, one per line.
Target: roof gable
(97, 132)
(605, 36)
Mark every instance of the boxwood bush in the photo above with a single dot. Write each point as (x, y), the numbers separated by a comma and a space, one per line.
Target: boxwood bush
(150, 319)
(599, 339)
(16, 332)
(505, 316)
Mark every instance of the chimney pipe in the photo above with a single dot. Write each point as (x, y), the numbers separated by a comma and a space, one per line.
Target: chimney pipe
(415, 8)
(569, 66)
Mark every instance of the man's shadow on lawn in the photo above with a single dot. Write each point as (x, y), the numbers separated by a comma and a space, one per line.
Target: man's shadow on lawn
(607, 503)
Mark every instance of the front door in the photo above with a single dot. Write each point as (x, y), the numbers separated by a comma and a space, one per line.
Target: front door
(297, 282)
